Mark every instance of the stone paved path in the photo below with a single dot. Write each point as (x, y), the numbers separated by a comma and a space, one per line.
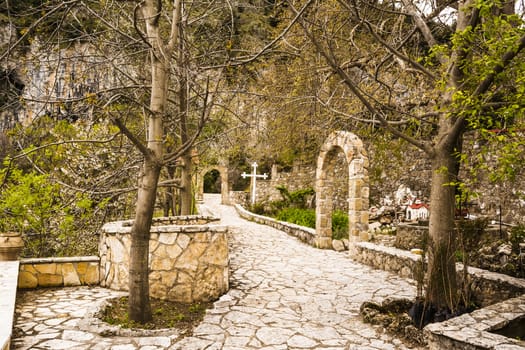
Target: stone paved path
(284, 295)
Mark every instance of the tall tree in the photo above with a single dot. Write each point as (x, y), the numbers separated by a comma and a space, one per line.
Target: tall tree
(152, 68)
(427, 78)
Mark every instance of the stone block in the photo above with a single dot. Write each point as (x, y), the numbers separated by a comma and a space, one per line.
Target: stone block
(158, 290)
(27, 279)
(169, 278)
(211, 284)
(92, 275)
(183, 240)
(161, 264)
(70, 275)
(217, 252)
(118, 253)
(189, 259)
(168, 238)
(173, 251)
(49, 280)
(50, 268)
(338, 245)
(82, 267)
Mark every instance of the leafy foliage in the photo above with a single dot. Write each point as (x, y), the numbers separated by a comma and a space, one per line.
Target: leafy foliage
(33, 205)
(302, 217)
(517, 236)
(295, 199)
(339, 225)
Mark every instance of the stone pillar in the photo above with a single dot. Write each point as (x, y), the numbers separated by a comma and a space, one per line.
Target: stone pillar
(225, 188)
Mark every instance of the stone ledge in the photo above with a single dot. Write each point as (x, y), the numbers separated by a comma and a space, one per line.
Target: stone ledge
(177, 220)
(472, 331)
(59, 272)
(8, 283)
(68, 259)
(305, 234)
(119, 227)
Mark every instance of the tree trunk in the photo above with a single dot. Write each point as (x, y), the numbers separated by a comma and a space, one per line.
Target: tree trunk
(138, 306)
(441, 273)
(186, 195)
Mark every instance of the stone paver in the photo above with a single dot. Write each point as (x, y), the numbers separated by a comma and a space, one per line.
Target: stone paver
(284, 295)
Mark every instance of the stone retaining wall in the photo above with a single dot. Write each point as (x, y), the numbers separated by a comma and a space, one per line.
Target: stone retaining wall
(409, 236)
(487, 287)
(473, 330)
(305, 234)
(400, 262)
(188, 263)
(59, 272)
(239, 197)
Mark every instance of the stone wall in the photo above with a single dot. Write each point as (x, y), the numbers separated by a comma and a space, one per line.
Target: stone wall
(400, 262)
(410, 236)
(304, 234)
(188, 263)
(59, 272)
(239, 197)
(301, 177)
(298, 178)
(474, 330)
(487, 287)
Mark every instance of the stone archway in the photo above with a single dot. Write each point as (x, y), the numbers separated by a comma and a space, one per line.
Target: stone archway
(225, 190)
(358, 191)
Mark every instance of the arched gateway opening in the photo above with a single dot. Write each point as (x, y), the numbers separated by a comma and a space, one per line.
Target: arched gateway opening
(357, 161)
(213, 179)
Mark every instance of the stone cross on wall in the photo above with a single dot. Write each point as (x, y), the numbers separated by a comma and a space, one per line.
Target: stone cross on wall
(254, 177)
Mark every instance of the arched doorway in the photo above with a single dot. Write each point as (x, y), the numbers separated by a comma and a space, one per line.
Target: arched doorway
(358, 192)
(213, 179)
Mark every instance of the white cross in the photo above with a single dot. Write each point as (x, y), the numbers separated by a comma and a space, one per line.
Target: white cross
(254, 177)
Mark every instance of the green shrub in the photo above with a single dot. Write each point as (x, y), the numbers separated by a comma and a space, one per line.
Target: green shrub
(257, 208)
(339, 225)
(50, 222)
(517, 236)
(302, 217)
(306, 217)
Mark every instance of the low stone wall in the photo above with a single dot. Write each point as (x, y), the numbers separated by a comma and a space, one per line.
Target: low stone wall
(59, 272)
(8, 281)
(305, 234)
(409, 236)
(473, 330)
(398, 261)
(487, 287)
(188, 263)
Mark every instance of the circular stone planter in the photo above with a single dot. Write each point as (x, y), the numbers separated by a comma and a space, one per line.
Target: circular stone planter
(188, 260)
(11, 245)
